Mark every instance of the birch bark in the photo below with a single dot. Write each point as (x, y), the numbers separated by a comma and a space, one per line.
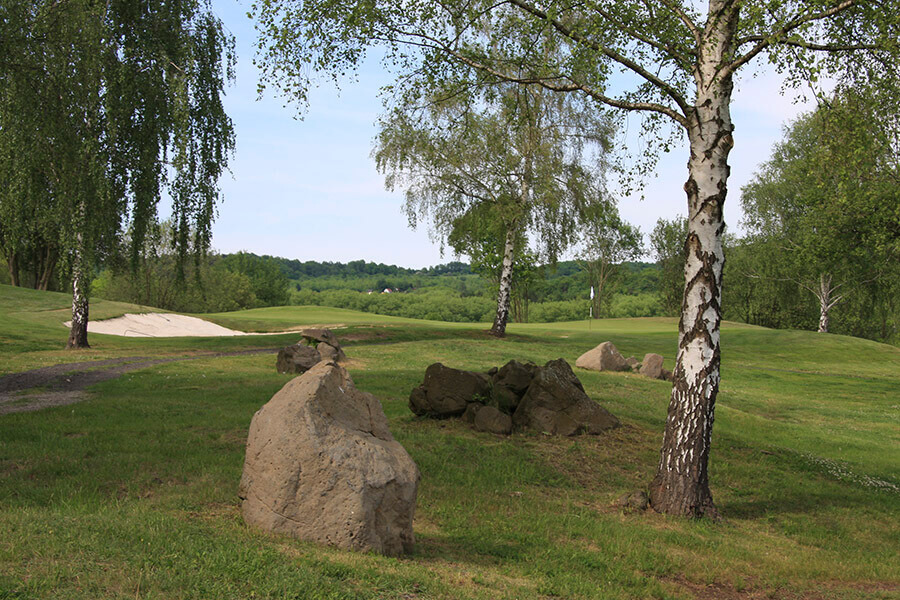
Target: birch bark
(78, 334)
(78, 337)
(681, 485)
(827, 299)
(503, 296)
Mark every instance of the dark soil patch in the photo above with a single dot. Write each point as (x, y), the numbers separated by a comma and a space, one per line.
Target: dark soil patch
(65, 384)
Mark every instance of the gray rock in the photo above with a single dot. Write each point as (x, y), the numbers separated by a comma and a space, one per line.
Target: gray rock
(505, 399)
(604, 357)
(448, 391)
(321, 465)
(510, 383)
(516, 376)
(492, 420)
(652, 366)
(315, 336)
(556, 403)
(418, 403)
(471, 411)
(297, 359)
(329, 352)
(634, 501)
(633, 363)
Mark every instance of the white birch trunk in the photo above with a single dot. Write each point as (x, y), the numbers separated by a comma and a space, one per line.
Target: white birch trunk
(681, 485)
(78, 334)
(503, 296)
(827, 300)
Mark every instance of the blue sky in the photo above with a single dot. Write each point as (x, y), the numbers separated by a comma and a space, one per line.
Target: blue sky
(308, 189)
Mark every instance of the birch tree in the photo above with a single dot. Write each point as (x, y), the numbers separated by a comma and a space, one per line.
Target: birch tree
(675, 62)
(103, 106)
(506, 161)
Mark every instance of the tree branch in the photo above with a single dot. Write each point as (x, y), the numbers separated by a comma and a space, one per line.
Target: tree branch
(549, 83)
(576, 37)
(778, 37)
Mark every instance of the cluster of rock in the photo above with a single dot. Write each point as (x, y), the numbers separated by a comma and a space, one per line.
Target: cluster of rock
(606, 357)
(517, 396)
(320, 345)
(322, 465)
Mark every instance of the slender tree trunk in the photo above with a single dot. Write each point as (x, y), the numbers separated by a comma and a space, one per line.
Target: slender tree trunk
(47, 266)
(681, 485)
(78, 334)
(825, 295)
(12, 261)
(503, 296)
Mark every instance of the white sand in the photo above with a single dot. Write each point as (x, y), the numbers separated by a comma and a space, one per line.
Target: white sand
(159, 325)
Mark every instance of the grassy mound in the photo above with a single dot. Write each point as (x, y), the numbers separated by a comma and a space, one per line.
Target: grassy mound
(132, 492)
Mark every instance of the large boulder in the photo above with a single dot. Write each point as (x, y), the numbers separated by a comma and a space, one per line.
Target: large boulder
(446, 392)
(510, 383)
(297, 358)
(652, 366)
(604, 357)
(556, 403)
(321, 465)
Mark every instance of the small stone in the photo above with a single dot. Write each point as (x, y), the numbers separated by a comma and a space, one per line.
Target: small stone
(315, 336)
(634, 501)
(604, 357)
(491, 420)
(329, 352)
(471, 411)
(297, 359)
(652, 366)
(418, 403)
(448, 391)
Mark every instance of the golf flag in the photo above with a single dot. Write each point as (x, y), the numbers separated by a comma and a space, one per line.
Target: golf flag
(592, 292)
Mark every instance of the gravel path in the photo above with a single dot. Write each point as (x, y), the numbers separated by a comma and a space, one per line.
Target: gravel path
(64, 384)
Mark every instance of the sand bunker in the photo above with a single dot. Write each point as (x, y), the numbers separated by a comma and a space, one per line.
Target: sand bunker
(159, 325)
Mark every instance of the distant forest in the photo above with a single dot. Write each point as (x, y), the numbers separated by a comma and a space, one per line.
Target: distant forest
(454, 292)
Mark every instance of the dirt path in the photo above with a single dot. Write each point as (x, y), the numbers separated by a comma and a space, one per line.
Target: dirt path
(64, 384)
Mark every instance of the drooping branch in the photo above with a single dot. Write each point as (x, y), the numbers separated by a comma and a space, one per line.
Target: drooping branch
(555, 83)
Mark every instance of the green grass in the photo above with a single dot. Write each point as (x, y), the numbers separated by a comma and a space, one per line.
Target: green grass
(132, 493)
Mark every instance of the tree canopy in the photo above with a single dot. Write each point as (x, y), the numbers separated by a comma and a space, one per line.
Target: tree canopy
(103, 107)
(491, 165)
(823, 212)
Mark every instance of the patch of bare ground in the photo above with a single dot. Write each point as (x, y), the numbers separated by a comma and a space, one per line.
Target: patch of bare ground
(753, 589)
(365, 334)
(64, 384)
(590, 461)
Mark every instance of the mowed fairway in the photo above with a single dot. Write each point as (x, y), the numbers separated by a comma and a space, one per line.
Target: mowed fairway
(132, 492)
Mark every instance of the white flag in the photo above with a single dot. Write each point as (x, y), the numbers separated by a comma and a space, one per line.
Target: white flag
(592, 292)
